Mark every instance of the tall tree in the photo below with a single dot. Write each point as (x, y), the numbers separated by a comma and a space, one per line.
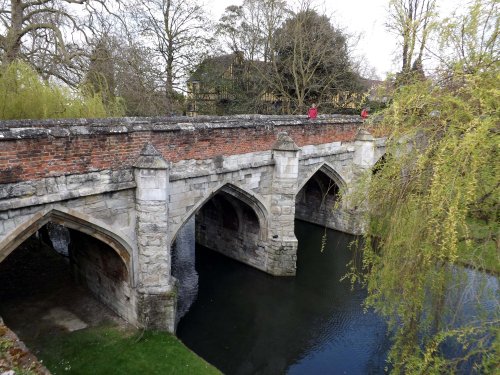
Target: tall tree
(123, 69)
(411, 21)
(180, 33)
(100, 77)
(312, 61)
(250, 28)
(140, 82)
(433, 207)
(44, 33)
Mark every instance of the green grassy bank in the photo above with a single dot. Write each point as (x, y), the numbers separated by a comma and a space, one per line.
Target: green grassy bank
(111, 350)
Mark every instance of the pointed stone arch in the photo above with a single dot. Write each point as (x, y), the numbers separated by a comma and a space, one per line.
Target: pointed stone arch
(254, 201)
(329, 171)
(379, 163)
(73, 220)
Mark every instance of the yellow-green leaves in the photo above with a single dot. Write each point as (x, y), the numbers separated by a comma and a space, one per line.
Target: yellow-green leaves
(433, 208)
(23, 95)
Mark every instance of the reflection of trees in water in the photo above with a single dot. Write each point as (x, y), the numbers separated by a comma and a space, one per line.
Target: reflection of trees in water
(183, 268)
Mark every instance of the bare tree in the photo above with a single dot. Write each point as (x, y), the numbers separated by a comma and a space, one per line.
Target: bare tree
(251, 27)
(412, 21)
(49, 34)
(139, 81)
(180, 33)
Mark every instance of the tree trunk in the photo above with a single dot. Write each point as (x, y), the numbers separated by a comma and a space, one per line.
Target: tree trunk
(13, 39)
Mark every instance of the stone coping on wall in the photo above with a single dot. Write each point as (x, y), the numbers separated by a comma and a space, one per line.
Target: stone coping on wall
(60, 128)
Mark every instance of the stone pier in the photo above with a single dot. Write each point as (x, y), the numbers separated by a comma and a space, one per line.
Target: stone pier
(133, 183)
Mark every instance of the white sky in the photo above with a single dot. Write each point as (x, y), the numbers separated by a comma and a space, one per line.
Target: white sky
(364, 17)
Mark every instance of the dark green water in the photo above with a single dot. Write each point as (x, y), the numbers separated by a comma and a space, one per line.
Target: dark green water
(247, 322)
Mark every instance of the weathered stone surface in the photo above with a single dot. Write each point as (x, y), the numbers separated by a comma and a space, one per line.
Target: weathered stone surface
(285, 143)
(135, 182)
(157, 310)
(150, 158)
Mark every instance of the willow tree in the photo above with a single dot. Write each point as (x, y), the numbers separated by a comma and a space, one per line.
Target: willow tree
(433, 209)
(25, 95)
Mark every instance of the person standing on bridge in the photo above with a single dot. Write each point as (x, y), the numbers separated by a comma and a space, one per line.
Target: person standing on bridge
(312, 113)
(364, 113)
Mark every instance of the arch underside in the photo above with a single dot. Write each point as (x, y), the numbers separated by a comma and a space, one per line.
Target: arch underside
(71, 220)
(240, 194)
(99, 258)
(232, 221)
(329, 171)
(318, 199)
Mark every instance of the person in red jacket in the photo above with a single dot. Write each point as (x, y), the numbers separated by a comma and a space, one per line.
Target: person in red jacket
(313, 111)
(364, 113)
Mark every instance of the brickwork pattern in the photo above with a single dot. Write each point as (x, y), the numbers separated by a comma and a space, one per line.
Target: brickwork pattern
(102, 172)
(34, 150)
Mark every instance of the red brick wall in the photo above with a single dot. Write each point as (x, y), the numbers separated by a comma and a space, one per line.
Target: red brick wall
(34, 158)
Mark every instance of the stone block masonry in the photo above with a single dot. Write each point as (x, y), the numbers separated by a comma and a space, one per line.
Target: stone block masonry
(133, 183)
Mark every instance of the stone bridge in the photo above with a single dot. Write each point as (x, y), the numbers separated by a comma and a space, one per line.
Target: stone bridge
(125, 188)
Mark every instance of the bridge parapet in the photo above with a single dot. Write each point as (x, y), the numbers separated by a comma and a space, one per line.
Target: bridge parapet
(31, 150)
(255, 166)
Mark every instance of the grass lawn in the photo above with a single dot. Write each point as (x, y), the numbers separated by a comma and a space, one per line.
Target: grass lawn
(111, 350)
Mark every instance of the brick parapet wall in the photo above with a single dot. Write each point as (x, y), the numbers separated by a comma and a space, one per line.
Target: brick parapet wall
(32, 150)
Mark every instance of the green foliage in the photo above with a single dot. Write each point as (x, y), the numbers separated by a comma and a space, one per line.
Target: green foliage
(433, 207)
(109, 350)
(23, 95)
(4, 345)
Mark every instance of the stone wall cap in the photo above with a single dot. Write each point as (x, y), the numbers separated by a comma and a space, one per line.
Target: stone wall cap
(18, 129)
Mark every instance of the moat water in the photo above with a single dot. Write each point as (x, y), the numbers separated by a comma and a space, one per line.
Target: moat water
(241, 320)
(247, 322)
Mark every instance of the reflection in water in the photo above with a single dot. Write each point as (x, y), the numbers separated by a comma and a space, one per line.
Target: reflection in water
(472, 300)
(471, 295)
(183, 268)
(247, 322)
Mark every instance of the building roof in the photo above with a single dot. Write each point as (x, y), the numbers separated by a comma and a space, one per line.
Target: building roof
(215, 66)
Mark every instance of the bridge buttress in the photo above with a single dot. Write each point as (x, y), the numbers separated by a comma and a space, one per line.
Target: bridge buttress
(156, 294)
(364, 158)
(282, 247)
(364, 150)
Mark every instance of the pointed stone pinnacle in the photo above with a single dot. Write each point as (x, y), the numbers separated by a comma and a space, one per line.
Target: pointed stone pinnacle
(150, 158)
(285, 143)
(149, 150)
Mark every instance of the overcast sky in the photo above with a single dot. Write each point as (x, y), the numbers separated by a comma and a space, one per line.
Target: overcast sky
(364, 17)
